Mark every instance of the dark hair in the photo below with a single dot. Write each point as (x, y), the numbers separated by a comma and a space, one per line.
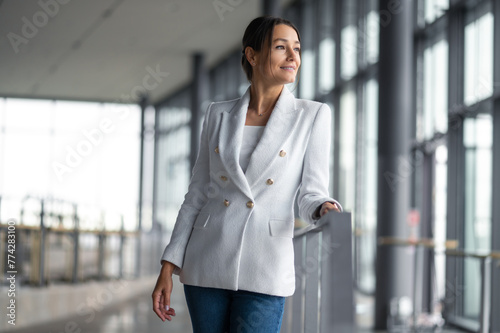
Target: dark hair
(257, 33)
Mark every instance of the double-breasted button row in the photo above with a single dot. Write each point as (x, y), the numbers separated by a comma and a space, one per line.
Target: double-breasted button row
(282, 153)
(270, 181)
(223, 178)
(250, 204)
(216, 149)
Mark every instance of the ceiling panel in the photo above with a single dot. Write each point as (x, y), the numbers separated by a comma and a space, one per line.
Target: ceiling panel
(105, 50)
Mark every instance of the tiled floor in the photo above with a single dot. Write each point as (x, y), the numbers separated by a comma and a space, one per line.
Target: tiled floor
(136, 316)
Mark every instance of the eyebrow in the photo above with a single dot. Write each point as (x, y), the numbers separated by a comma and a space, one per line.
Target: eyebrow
(284, 40)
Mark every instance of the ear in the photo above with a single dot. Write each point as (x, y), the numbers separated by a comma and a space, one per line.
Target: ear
(251, 55)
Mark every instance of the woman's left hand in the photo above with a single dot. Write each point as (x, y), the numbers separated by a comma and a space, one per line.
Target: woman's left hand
(328, 206)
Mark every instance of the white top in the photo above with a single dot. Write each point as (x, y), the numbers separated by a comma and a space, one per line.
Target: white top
(251, 136)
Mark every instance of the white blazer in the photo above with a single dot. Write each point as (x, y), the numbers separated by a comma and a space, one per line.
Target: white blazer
(234, 230)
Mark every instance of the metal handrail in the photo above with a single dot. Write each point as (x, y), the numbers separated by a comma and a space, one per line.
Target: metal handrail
(33, 244)
(450, 248)
(324, 294)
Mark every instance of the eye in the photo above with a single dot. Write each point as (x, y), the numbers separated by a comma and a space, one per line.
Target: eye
(297, 49)
(280, 47)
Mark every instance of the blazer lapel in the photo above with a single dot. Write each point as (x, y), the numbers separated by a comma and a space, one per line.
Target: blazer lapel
(230, 139)
(281, 123)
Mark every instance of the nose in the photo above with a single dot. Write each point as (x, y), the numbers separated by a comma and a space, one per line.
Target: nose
(292, 55)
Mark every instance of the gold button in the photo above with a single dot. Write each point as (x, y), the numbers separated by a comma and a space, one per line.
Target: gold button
(224, 178)
(217, 149)
(270, 181)
(282, 153)
(226, 203)
(250, 204)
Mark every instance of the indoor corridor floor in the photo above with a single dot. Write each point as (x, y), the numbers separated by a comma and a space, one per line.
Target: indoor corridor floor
(136, 316)
(133, 316)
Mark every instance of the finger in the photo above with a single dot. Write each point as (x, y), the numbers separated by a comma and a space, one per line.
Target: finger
(166, 301)
(168, 311)
(169, 314)
(328, 206)
(162, 305)
(157, 306)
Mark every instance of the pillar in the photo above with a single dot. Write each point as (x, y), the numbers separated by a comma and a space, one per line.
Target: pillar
(271, 7)
(394, 265)
(495, 225)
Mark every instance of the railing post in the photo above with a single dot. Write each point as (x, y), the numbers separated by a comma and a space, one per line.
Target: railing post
(76, 242)
(298, 297)
(42, 245)
(323, 266)
(122, 240)
(101, 253)
(337, 307)
(312, 269)
(484, 315)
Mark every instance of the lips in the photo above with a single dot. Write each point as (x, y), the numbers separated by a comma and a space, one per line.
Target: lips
(288, 68)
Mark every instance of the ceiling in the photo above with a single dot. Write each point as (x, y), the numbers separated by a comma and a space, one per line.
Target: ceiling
(110, 50)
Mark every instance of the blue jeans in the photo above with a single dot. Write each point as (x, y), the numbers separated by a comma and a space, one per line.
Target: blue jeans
(215, 310)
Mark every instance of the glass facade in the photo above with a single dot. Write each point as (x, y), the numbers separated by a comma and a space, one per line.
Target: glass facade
(453, 130)
(50, 148)
(71, 169)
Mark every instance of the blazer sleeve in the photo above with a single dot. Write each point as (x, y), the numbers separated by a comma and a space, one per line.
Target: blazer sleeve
(194, 200)
(315, 172)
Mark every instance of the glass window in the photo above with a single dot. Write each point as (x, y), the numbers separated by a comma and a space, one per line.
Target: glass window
(326, 47)
(326, 64)
(434, 9)
(173, 163)
(349, 52)
(347, 159)
(366, 205)
(349, 47)
(372, 31)
(435, 89)
(439, 228)
(92, 147)
(478, 134)
(478, 77)
(307, 82)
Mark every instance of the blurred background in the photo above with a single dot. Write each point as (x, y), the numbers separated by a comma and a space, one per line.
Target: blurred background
(101, 104)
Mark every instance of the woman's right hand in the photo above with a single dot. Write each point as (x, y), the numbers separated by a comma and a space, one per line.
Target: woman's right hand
(162, 292)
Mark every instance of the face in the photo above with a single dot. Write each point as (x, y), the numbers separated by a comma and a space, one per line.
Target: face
(281, 64)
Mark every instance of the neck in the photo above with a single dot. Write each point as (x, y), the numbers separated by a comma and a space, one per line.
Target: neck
(263, 98)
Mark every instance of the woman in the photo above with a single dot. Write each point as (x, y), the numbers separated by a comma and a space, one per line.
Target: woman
(232, 241)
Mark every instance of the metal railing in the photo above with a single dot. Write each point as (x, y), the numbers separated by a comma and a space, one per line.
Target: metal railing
(450, 250)
(50, 245)
(324, 295)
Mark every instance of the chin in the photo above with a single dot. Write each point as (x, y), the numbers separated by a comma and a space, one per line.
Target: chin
(288, 80)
